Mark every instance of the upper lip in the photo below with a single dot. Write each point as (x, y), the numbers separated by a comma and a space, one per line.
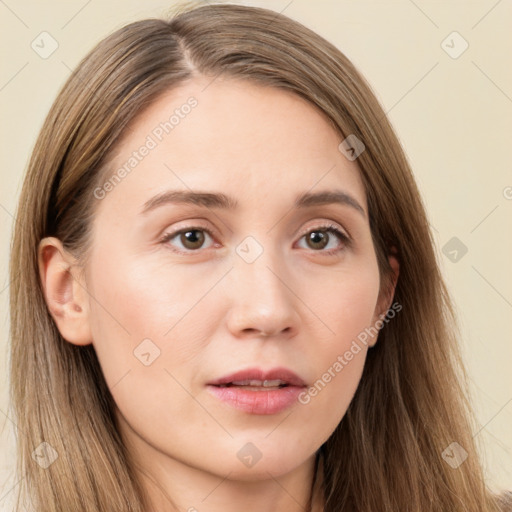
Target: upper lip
(283, 374)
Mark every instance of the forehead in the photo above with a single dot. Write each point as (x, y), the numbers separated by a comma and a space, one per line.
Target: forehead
(234, 135)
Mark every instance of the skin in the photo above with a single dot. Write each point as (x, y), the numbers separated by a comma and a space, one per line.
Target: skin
(205, 309)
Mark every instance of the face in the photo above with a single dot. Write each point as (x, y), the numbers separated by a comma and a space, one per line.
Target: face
(219, 231)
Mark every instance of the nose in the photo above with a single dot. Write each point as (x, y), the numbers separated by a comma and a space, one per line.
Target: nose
(262, 300)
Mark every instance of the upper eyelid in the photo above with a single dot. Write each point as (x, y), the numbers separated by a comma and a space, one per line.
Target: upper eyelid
(326, 225)
(191, 227)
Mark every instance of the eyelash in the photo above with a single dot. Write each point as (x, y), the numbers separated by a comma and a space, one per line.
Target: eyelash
(345, 239)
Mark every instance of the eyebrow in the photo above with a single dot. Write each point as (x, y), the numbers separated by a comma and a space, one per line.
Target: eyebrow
(222, 201)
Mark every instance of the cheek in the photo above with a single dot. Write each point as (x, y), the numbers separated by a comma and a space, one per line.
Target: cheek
(344, 302)
(146, 334)
(138, 309)
(129, 292)
(346, 309)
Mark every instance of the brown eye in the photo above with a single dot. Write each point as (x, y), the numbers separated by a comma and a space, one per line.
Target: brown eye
(189, 239)
(192, 239)
(317, 239)
(329, 238)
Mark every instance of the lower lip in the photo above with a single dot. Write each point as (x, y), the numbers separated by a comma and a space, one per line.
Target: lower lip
(257, 402)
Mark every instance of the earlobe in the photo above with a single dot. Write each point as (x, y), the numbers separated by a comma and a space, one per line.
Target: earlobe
(66, 297)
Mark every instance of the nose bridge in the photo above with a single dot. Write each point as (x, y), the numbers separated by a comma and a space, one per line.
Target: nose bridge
(261, 298)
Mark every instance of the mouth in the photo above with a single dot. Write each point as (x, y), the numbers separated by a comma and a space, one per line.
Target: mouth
(256, 385)
(256, 391)
(256, 377)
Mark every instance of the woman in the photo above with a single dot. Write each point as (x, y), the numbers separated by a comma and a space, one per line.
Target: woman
(225, 292)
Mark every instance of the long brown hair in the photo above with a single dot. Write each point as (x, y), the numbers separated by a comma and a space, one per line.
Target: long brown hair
(387, 452)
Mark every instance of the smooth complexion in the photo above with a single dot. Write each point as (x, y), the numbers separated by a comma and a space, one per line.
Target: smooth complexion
(204, 306)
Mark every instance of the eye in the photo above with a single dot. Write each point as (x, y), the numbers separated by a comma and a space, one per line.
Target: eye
(321, 239)
(326, 237)
(191, 238)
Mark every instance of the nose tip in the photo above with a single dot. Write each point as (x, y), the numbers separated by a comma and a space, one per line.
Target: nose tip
(262, 305)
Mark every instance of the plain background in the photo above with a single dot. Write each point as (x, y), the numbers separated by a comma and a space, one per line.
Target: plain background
(452, 115)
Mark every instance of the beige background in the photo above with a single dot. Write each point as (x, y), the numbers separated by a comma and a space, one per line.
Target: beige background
(453, 116)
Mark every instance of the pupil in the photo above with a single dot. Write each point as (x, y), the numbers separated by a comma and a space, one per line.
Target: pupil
(318, 237)
(194, 238)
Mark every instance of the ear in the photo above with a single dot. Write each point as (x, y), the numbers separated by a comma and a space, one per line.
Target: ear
(386, 295)
(64, 291)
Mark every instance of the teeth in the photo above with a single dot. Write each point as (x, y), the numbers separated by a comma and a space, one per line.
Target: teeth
(259, 383)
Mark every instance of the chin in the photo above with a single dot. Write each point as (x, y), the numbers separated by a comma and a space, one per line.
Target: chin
(252, 464)
(261, 471)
